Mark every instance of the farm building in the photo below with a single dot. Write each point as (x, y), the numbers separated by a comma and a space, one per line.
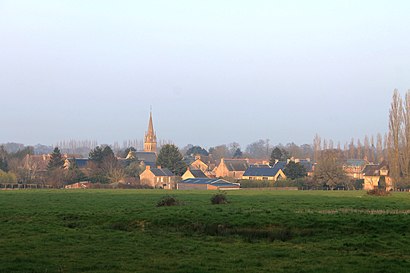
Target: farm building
(206, 184)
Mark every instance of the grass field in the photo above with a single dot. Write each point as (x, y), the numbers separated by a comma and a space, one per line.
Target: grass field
(258, 231)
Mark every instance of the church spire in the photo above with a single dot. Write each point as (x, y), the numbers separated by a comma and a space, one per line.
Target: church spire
(150, 141)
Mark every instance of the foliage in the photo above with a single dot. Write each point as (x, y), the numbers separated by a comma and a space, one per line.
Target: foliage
(96, 155)
(4, 166)
(329, 170)
(278, 155)
(56, 160)
(195, 150)
(220, 151)
(170, 157)
(238, 153)
(294, 170)
(126, 151)
(7, 178)
(167, 201)
(258, 149)
(219, 198)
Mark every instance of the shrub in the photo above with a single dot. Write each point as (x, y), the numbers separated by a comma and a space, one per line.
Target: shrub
(378, 192)
(219, 198)
(167, 201)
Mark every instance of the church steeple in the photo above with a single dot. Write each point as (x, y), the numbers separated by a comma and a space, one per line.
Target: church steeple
(150, 141)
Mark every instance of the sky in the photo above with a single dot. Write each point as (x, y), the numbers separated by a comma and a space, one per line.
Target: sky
(214, 72)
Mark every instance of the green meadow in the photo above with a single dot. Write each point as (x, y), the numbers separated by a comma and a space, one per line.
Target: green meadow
(258, 231)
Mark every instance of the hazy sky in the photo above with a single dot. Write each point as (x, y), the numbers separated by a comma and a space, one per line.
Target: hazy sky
(214, 71)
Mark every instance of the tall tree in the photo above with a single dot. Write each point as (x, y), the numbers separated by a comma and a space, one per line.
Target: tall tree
(379, 148)
(170, 157)
(56, 160)
(395, 127)
(405, 138)
(278, 155)
(238, 153)
(317, 147)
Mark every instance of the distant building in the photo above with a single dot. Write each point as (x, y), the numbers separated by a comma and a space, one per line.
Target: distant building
(80, 163)
(354, 168)
(377, 176)
(234, 168)
(265, 172)
(193, 173)
(158, 178)
(205, 164)
(207, 184)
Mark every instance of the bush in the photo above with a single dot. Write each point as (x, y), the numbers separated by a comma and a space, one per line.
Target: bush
(167, 201)
(378, 192)
(219, 198)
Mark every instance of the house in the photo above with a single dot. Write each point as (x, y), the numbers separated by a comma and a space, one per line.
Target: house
(207, 184)
(376, 176)
(81, 163)
(193, 173)
(234, 168)
(205, 164)
(157, 178)
(265, 172)
(307, 164)
(354, 168)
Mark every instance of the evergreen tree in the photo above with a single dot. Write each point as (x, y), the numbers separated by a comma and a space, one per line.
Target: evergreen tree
(238, 153)
(56, 160)
(194, 150)
(170, 157)
(294, 170)
(96, 155)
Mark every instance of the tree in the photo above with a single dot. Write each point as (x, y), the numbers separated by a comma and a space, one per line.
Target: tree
(329, 170)
(127, 151)
(170, 157)
(4, 166)
(218, 152)
(96, 155)
(278, 155)
(238, 153)
(294, 170)
(395, 129)
(258, 149)
(56, 160)
(195, 150)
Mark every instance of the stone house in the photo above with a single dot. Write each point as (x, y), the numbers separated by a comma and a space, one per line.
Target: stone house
(158, 178)
(377, 176)
(233, 168)
(193, 173)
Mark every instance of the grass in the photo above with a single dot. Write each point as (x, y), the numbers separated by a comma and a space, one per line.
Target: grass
(272, 231)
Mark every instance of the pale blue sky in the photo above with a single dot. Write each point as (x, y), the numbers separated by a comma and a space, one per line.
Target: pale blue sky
(213, 71)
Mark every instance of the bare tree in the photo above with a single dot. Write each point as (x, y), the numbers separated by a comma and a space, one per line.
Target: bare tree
(395, 127)
(317, 147)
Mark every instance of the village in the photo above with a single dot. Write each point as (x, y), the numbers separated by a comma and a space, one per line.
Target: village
(199, 171)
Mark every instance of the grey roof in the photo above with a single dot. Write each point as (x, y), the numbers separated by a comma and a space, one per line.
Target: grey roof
(371, 170)
(264, 170)
(161, 172)
(356, 162)
(149, 158)
(197, 173)
(236, 165)
(210, 181)
(307, 164)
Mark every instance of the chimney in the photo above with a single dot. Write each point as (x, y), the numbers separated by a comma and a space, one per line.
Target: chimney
(159, 167)
(148, 167)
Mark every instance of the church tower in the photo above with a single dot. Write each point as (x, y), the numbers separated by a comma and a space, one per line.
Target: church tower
(150, 140)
